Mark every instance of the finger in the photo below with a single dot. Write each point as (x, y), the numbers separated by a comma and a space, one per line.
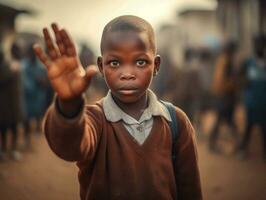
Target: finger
(50, 45)
(68, 43)
(59, 40)
(90, 72)
(41, 55)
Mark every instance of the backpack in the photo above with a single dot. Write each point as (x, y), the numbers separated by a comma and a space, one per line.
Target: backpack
(174, 129)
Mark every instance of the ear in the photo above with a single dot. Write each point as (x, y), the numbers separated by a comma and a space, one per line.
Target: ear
(157, 63)
(100, 65)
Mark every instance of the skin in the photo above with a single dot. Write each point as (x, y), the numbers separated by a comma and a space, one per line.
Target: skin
(127, 65)
(68, 78)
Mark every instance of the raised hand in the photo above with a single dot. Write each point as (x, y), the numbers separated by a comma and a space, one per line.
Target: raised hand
(67, 76)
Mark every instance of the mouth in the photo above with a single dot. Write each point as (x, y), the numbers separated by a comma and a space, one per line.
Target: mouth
(127, 91)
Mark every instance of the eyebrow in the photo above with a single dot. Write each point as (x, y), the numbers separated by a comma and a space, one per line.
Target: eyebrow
(110, 56)
(141, 54)
(118, 56)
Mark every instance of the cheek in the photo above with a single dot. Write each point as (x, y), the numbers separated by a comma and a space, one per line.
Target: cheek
(110, 78)
(146, 77)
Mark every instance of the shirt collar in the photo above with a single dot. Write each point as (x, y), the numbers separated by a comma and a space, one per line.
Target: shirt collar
(114, 113)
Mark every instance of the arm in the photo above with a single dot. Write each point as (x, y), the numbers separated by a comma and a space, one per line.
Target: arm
(218, 77)
(187, 170)
(75, 138)
(69, 130)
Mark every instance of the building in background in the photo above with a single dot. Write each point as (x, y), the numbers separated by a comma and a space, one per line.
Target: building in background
(199, 27)
(241, 20)
(195, 27)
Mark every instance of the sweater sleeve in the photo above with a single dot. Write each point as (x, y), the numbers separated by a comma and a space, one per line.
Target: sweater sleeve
(187, 170)
(73, 139)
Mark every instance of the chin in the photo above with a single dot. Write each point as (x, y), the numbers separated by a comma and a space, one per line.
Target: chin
(127, 98)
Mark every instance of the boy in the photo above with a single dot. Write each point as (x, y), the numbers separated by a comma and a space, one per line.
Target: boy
(122, 144)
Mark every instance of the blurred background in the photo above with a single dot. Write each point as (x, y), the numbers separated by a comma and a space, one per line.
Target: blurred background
(213, 67)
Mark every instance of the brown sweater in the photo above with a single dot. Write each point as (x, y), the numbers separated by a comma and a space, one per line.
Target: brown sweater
(114, 166)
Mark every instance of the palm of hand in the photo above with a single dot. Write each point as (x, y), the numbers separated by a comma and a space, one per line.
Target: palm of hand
(67, 76)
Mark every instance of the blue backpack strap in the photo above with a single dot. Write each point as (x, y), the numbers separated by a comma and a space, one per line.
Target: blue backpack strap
(174, 128)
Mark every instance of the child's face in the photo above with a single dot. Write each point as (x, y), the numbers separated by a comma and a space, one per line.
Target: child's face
(128, 65)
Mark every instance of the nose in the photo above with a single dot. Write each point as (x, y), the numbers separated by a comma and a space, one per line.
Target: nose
(127, 75)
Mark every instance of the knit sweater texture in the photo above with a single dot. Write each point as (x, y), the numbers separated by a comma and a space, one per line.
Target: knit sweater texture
(112, 165)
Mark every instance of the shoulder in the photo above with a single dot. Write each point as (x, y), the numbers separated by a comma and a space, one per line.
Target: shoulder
(187, 137)
(181, 115)
(95, 110)
(222, 59)
(183, 121)
(172, 109)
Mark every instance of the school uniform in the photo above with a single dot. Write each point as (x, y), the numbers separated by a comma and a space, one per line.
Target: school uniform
(120, 157)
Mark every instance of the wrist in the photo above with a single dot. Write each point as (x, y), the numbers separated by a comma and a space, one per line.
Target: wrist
(70, 108)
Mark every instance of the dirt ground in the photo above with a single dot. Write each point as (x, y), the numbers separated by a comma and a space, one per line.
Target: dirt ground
(43, 176)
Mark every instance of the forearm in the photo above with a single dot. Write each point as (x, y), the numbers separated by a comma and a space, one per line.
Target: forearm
(64, 135)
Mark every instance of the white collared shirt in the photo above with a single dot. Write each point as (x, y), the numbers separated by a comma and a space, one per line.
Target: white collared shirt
(139, 129)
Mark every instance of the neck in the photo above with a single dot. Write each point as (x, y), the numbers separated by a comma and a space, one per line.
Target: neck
(134, 109)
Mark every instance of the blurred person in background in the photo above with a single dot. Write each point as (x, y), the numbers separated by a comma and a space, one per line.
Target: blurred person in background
(224, 90)
(86, 56)
(98, 87)
(206, 68)
(165, 87)
(253, 72)
(187, 97)
(35, 84)
(11, 101)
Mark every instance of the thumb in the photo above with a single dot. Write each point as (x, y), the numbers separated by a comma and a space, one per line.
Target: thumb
(90, 71)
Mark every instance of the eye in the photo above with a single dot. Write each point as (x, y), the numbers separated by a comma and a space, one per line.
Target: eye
(114, 63)
(141, 63)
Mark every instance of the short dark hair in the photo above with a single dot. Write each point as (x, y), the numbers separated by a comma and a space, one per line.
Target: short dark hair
(259, 45)
(231, 46)
(129, 23)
